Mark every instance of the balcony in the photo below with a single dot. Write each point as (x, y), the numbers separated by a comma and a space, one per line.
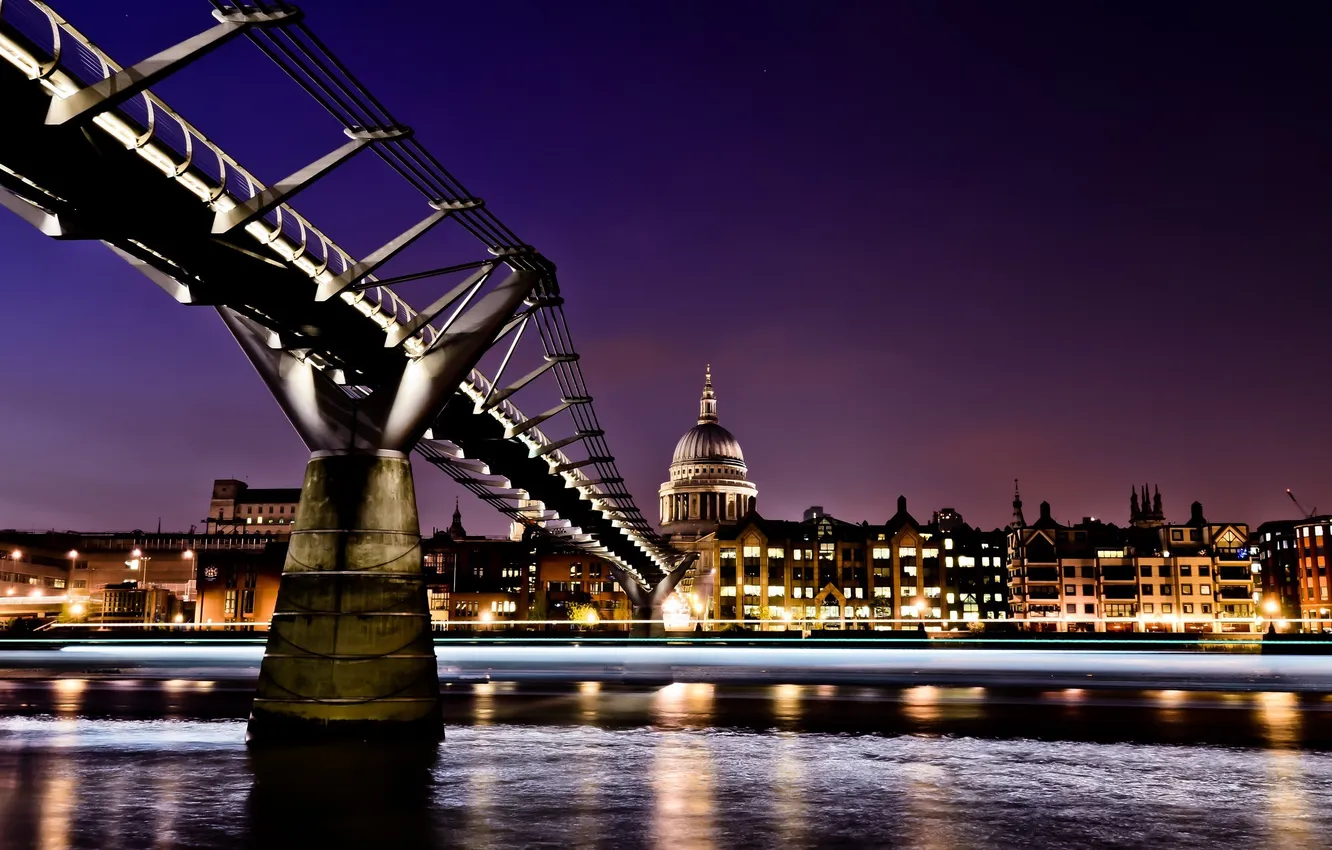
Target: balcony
(1232, 573)
(1121, 572)
(1043, 593)
(1043, 574)
(1234, 593)
(1120, 591)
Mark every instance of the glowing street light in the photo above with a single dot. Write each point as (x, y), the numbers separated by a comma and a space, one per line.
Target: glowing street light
(76, 610)
(16, 554)
(1271, 607)
(188, 554)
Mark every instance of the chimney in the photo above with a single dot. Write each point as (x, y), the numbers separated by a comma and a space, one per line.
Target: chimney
(1045, 510)
(901, 504)
(1196, 515)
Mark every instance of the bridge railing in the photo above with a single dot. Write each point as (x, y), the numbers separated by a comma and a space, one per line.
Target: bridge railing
(67, 61)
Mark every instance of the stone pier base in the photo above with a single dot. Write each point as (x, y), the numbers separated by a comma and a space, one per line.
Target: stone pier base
(349, 651)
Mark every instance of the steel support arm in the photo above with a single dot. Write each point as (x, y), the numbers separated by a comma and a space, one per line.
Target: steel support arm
(399, 334)
(579, 464)
(286, 189)
(495, 398)
(390, 250)
(430, 380)
(123, 85)
(528, 424)
(559, 444)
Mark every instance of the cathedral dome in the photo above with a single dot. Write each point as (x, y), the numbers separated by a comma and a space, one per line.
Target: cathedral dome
(708, 441)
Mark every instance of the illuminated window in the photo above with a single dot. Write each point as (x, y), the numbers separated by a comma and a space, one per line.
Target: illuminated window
(883, 593)
(1186, 589)
(1188, 607)
(948, 543)
(1205, 590)
(948, 562)
(930, 553)
(1148, 608)
(931, 593)
(908, 551)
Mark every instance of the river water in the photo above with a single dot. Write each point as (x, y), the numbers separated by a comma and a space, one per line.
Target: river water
(679, 766)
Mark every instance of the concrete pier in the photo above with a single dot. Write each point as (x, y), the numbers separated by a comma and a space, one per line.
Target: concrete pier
(349, 651)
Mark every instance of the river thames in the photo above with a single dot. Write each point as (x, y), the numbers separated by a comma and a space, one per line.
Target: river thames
(138, 763)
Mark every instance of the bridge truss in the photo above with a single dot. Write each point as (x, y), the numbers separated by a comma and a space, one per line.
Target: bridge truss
(85, 156)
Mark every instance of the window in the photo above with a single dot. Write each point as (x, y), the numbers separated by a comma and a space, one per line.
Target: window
(80, 583)
(883, 592)
(1166, 607)
(1089, 609)
(229, 604)
(1206, 608)
(1176, 534)
(1166, 590)
(1204, 569)
(1165, 571)
(1070, 590)
(1088, 572)
(1188, 607)
(948, 543)
(1146, 570)
(1186, 590)
(1070, 572)
(1071, 608)
(1186, 569)
(1204, 590)
(1148, 608)
(1146, 590)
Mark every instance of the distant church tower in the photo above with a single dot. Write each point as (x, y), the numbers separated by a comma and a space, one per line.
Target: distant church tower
(456, 530)
(1146, 512)
(1018, 521)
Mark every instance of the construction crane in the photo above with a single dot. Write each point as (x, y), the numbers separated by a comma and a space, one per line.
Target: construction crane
(1307, 514)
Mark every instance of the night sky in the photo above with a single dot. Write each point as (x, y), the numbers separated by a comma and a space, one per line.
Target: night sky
(927, 248)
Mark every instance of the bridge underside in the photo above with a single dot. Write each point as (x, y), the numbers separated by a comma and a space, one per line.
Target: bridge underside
(98, 189)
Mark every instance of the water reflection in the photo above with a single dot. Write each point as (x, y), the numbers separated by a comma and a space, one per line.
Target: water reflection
(789, 792)
(684, 705)
(349, 794)
(695, 766)
(1287, 803)
(683, 786)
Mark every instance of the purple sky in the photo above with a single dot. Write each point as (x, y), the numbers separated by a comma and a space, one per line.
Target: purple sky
(927, 248)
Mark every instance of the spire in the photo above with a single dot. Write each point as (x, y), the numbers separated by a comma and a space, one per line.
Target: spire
(1157, 513)
(1018, 521)
(707, 406)
(1133, 506)
(456, 530)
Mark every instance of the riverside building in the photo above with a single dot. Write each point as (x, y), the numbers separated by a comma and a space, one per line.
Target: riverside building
(1151, 576)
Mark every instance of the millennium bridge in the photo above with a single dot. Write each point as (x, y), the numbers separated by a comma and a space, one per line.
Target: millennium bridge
(89, 152)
